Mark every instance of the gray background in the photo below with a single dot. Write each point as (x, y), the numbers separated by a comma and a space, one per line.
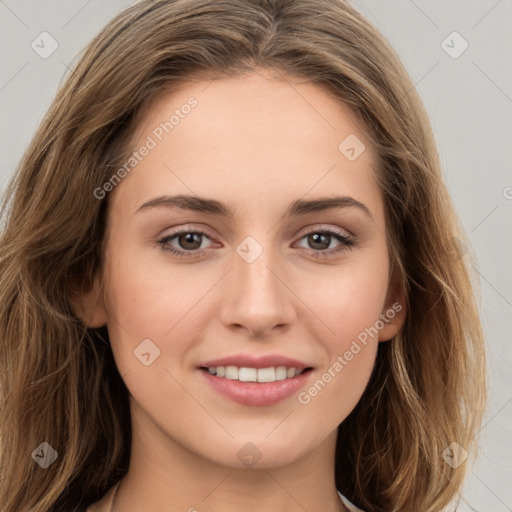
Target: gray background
(469, 99)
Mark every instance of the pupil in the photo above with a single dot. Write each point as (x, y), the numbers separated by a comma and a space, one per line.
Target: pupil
(190, 238)
(318, 236)
(194, 240)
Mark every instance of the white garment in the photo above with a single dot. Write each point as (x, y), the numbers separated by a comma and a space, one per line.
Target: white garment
(349, 505)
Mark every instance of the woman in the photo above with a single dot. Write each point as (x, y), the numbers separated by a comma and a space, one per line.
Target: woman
(230, 271)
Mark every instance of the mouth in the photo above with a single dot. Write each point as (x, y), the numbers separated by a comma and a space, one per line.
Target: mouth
(251, 386)
(260, 375)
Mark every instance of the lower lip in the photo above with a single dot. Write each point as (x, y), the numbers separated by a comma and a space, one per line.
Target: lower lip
(256, 393)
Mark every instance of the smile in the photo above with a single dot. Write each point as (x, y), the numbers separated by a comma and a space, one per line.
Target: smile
(281, 383)
(245, 374)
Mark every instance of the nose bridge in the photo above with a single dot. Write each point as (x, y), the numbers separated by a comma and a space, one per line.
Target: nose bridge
(259, 299)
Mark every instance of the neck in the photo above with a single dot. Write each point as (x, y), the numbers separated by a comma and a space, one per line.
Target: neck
(164, 475)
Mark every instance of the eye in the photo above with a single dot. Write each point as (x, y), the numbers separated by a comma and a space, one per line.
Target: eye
(190, 242)
(320, 240)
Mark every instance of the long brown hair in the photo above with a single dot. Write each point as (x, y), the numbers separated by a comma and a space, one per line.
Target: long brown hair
(59, 383)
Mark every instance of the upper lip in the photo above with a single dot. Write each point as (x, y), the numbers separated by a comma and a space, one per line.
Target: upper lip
(252, 361)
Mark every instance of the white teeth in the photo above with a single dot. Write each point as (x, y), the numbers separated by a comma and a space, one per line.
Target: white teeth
(266, 374)
(248, 374)
(281, 373)
(245, 374)
(231, 372)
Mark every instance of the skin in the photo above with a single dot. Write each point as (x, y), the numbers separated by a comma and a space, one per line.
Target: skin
(256, 143)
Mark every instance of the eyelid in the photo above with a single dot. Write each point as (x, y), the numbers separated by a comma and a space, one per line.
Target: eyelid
(186, 228)
(300, 234)
(345, 238)
(325, 227)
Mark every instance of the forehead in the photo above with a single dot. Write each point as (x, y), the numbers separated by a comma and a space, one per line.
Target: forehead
(250, 138)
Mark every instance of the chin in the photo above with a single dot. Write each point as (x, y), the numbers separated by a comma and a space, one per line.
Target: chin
(260, 453)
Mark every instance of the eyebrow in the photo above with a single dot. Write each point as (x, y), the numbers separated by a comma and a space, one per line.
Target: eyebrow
(212, 206)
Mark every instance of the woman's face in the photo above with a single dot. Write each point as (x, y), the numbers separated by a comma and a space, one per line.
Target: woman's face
(245, 167)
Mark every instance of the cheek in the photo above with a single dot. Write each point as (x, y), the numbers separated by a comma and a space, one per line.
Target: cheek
(150, 299)
(351, 313)
(348, 307)
(349, 300)
(152, 326)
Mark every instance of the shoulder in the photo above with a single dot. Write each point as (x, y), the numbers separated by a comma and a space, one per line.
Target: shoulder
(104, 504)
(101, 505)
(349, 505)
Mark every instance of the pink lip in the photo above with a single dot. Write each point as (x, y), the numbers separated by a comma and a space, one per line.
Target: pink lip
(250, 361)
(255, 393)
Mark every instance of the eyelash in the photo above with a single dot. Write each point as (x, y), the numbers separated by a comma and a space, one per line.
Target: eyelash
(346, 243)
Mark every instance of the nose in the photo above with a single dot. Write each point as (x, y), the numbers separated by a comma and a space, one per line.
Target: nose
(259, 297)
